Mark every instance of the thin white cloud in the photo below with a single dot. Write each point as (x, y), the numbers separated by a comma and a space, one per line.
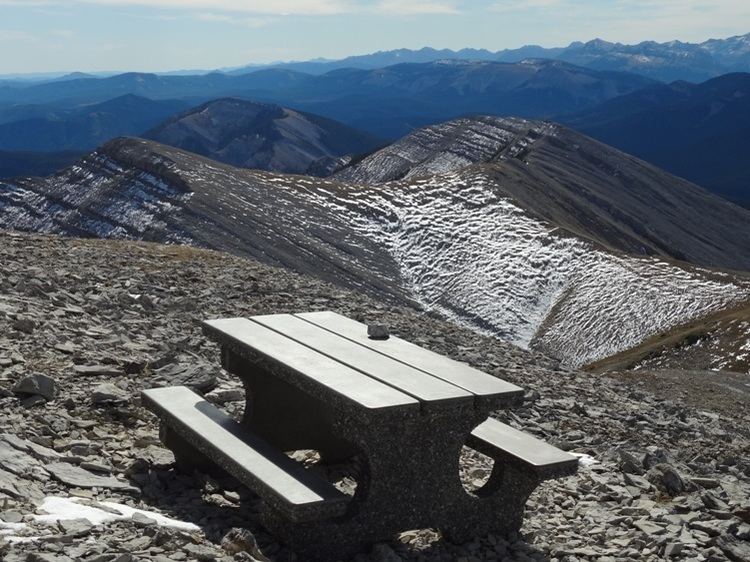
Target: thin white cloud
(250, 22)
(276, 7)
(63, 33)
(524, 5)
(271, 7)
(407, 8)
(15, 35)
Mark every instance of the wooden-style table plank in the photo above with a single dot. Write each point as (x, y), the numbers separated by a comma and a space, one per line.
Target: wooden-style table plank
(460, 374)
(431, 391)
(310, 370)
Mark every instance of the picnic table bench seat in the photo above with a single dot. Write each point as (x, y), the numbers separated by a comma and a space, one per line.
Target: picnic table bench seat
(276, 478)
(510, 446)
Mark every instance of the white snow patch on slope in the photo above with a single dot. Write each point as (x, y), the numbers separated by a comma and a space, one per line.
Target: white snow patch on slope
(467, 251)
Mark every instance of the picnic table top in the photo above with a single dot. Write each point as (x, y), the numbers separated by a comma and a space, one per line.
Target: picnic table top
(331, 357)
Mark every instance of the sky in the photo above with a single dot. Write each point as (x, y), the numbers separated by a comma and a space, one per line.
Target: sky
(161, 35)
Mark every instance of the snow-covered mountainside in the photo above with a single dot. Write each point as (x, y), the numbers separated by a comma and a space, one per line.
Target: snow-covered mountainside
(136, 189)
(578, 184)
(448, 146)
(461, 242)
(466, 250)
(719, 342)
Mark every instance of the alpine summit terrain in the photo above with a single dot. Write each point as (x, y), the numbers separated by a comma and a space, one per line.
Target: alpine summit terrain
(513, 227)
(232, 300)
(86, 325)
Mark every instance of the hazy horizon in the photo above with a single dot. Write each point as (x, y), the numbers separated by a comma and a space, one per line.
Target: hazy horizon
(56, 37)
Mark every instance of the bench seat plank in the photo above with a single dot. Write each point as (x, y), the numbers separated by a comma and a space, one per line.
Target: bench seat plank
(455, 372)
(275, 477)
(494, 438)
(430, 391)
(310, 370)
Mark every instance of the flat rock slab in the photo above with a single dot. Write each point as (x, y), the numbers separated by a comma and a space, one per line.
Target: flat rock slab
(98, 370)
(10, 484)
(199, 377)
(16, 461)
(108, 393)
(76, 476)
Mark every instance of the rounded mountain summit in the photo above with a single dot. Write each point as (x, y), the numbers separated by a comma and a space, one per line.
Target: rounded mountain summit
(250, 134)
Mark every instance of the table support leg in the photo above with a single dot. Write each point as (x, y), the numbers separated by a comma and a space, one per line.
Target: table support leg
(498, 507)
(283, 415)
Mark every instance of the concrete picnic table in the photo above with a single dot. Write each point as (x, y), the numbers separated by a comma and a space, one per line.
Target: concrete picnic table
(401, 413)
(317, 381)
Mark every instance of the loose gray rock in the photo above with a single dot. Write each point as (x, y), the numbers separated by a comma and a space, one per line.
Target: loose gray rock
(143, 520)
(200, 552)
(735, 550)
(75, 527)
(108, 393)
(98, 370)
(36, 385)
(76, 476)
(242, 540)
(667, 479)
(25, 325)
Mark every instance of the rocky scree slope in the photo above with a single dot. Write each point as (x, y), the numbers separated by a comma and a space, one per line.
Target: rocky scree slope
(459, 243)
(105, 319)
(264, 136)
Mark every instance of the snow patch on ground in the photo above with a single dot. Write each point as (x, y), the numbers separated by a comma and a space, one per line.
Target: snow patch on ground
(63, 508)
(7, 528)
(584, 459)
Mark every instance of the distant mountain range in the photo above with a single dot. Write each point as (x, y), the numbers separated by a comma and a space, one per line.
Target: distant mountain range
(667, 62)
(674, 60)
(264, 136)
(388, 102)
(515, 227)
(699, 132)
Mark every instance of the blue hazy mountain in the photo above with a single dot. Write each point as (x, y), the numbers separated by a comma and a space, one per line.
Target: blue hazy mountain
(387, 102)
(697, 131)
(84, 126)
(669, 61)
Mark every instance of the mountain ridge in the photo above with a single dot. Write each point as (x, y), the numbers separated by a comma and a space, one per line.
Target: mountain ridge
(469, 243)
(666, 61)
(388, 102)
(85, 126)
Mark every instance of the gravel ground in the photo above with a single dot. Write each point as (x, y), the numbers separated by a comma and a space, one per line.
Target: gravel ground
(103, 320)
